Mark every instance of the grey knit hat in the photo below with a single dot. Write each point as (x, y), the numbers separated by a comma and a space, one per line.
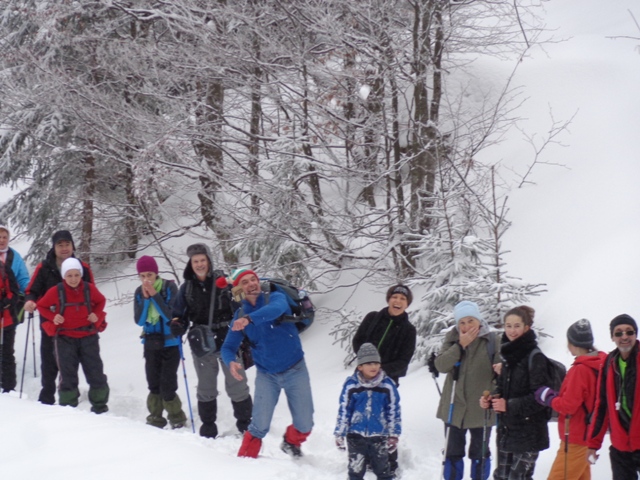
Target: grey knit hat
(368, 353)
(580, 335)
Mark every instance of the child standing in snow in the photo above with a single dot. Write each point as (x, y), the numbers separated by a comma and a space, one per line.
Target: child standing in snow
(369, 417)
(73, 315)
(152, 308)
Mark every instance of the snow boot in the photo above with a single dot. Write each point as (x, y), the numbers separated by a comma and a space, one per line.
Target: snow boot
(99, 398)
(177, 418)
(292, 441)
(68, 398)
(453, 468)
(477, 472)
(250, 446)
(154, 404)
(242, 412)
(208, 412)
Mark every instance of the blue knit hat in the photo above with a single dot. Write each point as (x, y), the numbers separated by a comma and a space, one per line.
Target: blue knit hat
(466, 309)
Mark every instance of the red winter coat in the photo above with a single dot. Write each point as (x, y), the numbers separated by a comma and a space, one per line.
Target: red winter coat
(605, 415)
(76, 317)
(578, 391)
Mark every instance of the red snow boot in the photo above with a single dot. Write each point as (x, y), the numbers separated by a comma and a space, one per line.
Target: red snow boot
(250, 446)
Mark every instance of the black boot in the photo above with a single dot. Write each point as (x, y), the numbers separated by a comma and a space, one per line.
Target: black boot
(208, 412)
(242, 412)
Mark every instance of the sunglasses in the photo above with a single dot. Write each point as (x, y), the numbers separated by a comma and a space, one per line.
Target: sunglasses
(628, 333)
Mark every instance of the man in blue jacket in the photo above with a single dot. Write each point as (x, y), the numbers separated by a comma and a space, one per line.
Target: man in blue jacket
(279, 359)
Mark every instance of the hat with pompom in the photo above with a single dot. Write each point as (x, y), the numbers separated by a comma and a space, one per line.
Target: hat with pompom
(579, 334)
(237, 275)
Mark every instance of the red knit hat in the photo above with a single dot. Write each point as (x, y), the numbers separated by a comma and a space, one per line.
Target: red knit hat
(147, 264)
(236, 275)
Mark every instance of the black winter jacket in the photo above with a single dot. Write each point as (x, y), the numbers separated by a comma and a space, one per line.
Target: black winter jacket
(47, 275)
(396, 347)
(523, 427)
(194, 302)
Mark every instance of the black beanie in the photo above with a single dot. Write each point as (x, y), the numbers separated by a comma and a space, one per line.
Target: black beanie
(623, 319)
(61, 235)
(580, 335)
(402, 290)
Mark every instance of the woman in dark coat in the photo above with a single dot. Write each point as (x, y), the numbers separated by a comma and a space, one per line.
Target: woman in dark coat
(522, 422)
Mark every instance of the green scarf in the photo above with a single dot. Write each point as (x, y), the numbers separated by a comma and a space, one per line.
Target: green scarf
(153, 315)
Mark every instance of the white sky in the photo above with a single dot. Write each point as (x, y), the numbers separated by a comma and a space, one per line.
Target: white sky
(574, 231)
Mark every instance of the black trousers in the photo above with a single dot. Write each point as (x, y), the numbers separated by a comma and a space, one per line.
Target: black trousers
(161, 369)
(457, 443)
(8, 358)
(624, 465)
(368, 450)
(48, 368)
(75, 352)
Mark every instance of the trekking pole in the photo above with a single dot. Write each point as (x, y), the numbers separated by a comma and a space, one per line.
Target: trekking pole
(186, 386)
(431, 364)
(33, 343)
(456, 372)
(1, 344)
(485, 428)
(566, 444)
(26, 348)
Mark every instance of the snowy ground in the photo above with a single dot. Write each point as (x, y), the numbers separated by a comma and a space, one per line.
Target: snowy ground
(574, 231)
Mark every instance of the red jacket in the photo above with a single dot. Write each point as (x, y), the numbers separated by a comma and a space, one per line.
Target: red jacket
(606, 416)
(577, 396)
(76, 317)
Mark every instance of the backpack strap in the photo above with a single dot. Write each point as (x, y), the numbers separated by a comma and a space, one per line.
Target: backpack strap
(62, 298)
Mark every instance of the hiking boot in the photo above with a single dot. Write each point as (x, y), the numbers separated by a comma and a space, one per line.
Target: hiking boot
(290, 449)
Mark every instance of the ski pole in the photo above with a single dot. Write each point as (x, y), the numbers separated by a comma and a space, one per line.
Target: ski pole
(431, 364)
(33, 343)
(1, 345)
(186, 386)
(26, 348)
(456, 372)
(485, 428)
(566, 444)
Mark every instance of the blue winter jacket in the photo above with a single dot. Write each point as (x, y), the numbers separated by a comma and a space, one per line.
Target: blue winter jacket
(275, 346)
(369, 408)
(19, 270)
(164, 305)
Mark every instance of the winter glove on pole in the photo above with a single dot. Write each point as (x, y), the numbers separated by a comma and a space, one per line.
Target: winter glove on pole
(544, 396)
(340, 443)
(177, 329)
(392, 444)
(431, 364)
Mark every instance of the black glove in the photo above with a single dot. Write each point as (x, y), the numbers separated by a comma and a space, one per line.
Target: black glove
(177, 329)
(431, 363)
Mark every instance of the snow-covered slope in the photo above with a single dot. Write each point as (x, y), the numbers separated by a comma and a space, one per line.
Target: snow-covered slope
(575, 231)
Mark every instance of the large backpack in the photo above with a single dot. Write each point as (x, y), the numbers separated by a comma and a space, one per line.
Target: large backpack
(556, 372)
(302, 309)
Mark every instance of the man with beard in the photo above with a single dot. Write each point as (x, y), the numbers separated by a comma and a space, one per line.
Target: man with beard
(279, 359)
(618, 402)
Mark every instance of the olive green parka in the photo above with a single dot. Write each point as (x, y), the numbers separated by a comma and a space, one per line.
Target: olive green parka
(476, 375)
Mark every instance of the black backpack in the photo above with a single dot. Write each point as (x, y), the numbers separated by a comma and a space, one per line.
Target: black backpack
(62, 299)
(556, 372)
(302, 309)
(9, 290)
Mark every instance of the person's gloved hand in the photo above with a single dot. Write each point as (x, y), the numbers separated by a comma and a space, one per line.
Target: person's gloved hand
(544, 396)
(340, 443)
(177, 329)
(392, 444)
(431, 364)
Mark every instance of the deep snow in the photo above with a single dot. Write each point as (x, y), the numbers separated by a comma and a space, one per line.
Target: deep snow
(574, 231)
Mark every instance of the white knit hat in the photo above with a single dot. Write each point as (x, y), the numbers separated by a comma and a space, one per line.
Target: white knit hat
(70, 263)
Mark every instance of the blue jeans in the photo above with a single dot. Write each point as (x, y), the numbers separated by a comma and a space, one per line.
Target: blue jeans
(297, 387)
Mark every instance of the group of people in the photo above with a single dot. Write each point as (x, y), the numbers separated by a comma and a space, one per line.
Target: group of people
(491, 378)
(503, 380)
